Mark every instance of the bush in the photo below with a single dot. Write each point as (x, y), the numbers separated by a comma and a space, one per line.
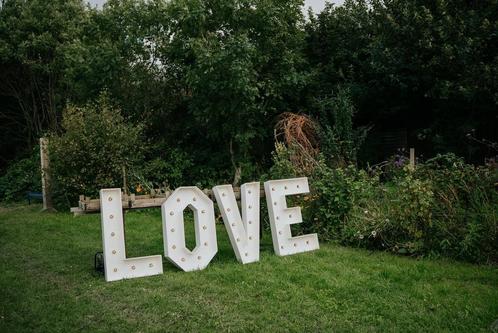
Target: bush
(90, 155)
(331, 193)
(394, 216)
(466, 210)
(443, 207)
(21, 176)
(282, 166)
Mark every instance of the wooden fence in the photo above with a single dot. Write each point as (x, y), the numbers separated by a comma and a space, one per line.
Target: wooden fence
(88, 205)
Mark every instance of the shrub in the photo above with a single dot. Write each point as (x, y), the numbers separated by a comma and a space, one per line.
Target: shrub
(21, 176)
(395, 216)
(443, 208)
(331, 192)
(465, 211)
(96, 144)
(282, 165)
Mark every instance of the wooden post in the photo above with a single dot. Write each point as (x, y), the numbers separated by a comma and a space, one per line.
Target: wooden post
(45, 175)
(412, 158)
(125, 185)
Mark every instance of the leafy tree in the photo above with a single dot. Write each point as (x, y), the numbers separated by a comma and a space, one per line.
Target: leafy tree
(207, 77)
(241, 64)
(33, 36)
(429, 66)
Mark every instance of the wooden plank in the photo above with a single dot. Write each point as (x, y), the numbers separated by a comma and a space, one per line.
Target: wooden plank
(148, 203)
(77, 211)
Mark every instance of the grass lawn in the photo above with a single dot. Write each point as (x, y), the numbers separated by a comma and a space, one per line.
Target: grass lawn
(48, 284)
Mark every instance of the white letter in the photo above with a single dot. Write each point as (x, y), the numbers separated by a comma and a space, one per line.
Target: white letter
(282, 217)
(116, 265)
(174, 232)
(242, 231)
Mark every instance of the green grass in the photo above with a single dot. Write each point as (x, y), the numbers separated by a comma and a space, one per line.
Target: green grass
(48, 284)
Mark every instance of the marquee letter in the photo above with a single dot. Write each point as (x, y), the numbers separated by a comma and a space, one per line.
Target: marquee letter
(282, 217)
(174, 232)
(242, 231)
(116, 265)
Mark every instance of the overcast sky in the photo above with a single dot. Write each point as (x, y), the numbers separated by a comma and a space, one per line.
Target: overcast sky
(317, 5)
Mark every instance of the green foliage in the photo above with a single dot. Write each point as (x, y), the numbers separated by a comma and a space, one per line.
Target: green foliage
(332, 197)
(466, 213)
(240, 65)
(20, 177)
(168, 171)
(205, 77)
(428, 66)
(331, 193)
(339, 141)
(444, 207)
(33, 39)
(395, 216)
(209, 78)
(282, 166)
(119, 51)
(97, 143)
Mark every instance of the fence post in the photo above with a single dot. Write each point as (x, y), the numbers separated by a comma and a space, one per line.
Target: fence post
(125, 184)
(412, 158)
(45, 175)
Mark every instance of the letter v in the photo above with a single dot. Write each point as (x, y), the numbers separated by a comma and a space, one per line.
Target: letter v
(243, 231)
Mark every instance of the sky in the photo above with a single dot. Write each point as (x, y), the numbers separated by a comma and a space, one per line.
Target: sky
(317, 5)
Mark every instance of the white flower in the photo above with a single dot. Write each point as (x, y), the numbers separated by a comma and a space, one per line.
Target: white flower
(365, 211)
(374, 233)
(361, 236)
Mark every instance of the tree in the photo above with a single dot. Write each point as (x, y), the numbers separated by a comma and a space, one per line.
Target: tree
(241, 64)
(33, 35)
(428, 66)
